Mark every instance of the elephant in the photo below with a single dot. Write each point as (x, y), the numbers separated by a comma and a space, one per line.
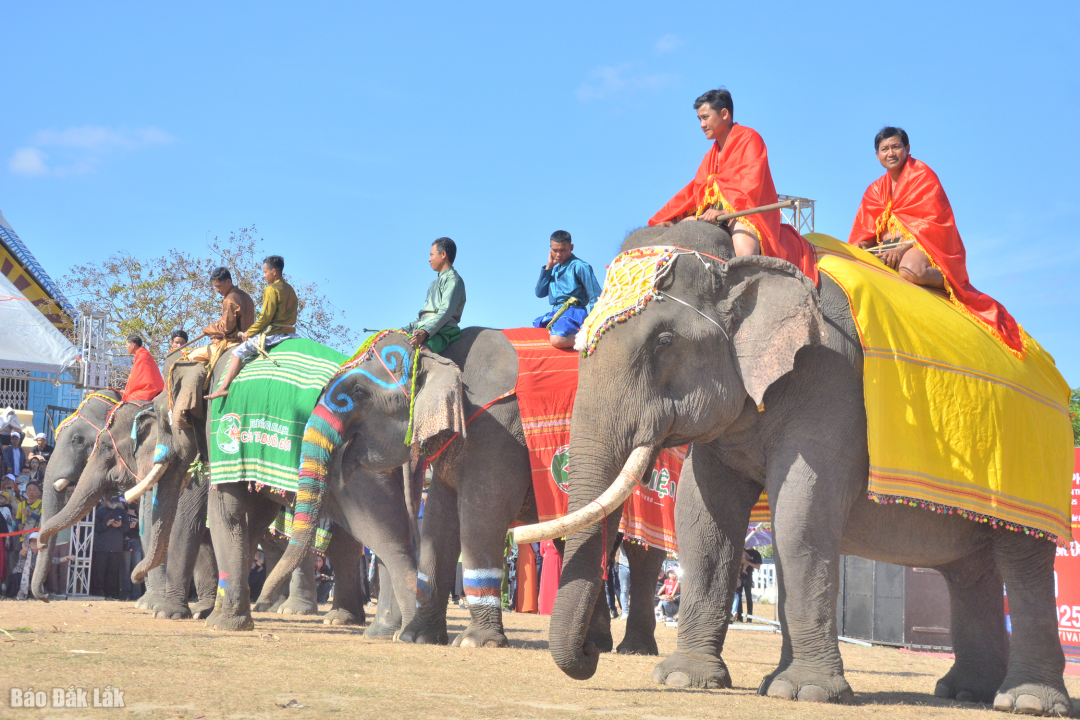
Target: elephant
(480, 485)
(762, 372)
(74, 442)
(121, 458)
(237, 518)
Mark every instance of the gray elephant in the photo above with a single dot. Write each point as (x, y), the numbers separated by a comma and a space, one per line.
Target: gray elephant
(122, 458)
(763, 373)
(481, 483)
(237, 519)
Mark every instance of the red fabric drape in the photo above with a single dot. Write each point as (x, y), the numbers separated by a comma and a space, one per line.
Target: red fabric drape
(527, 587)
(144, 382)
(549, 576)
(919, 209)
(738, 178)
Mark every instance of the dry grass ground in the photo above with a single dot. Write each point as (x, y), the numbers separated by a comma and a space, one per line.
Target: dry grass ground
(179, 670)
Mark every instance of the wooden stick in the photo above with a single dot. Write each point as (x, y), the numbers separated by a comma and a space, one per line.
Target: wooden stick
(201, 336)
(879, 249)
(754, 211)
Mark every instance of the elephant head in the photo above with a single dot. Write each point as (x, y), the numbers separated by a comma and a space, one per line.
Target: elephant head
(75, 439)
(680, 370)
(362, 420)
(123, 458)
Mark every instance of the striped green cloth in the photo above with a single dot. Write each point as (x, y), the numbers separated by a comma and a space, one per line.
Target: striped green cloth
(257, 429)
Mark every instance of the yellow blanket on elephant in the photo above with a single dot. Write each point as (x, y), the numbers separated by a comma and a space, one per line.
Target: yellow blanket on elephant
(955, 422)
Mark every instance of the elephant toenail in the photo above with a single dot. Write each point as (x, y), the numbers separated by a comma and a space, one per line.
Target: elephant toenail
(1029, 704)
(781, 689)
(942, 690)
(677, 679)
(965, 696)
(812, 693)
(1003, 701)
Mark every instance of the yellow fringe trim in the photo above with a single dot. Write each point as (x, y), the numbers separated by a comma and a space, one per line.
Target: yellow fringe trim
(713, 196)
(888, 222)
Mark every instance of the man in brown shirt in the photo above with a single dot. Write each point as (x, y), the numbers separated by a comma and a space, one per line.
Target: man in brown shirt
(237, 314)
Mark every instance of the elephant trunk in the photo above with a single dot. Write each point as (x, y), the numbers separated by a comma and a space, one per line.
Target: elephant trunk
(50, 506)
(322, 437)
(574, 625)
(163, 512)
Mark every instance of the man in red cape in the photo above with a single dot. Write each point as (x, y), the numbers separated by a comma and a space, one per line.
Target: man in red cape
(907, 206)
(735, 176)
(144, 382)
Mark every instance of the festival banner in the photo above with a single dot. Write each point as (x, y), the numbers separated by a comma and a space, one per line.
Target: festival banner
(1067, 579)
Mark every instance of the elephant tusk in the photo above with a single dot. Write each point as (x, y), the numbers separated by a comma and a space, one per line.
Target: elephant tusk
(61, 484)
(146, 483)
(635, 468)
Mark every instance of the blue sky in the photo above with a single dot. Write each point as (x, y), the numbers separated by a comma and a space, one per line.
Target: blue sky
(352, 135)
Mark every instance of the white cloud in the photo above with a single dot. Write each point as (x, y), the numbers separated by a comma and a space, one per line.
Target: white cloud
(668, 43)
(82, 148)
(610, 80)
(28, 161)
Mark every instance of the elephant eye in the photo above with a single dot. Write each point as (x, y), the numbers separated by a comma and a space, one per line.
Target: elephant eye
(663, 341)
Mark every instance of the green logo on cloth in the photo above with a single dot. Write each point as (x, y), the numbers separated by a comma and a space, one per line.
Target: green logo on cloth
(560, 468)
(228, 434)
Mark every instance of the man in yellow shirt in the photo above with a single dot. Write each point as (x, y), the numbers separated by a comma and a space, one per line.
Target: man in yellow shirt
(276, 323)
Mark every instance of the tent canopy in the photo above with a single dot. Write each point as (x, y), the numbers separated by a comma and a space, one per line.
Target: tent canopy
(28, 341)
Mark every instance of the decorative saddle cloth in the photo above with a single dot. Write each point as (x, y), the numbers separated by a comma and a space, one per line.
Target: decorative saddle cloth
(546, 387)
(956, 423)
(257, 429)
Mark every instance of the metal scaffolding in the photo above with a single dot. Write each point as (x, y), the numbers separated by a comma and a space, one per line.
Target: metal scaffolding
(94, 350)
(800, 217)
(81, 547)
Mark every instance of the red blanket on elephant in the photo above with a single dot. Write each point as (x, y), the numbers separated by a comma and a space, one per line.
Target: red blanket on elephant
(546, 387)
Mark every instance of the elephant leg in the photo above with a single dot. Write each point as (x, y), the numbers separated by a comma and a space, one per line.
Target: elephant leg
(388, 611)
(154, 597)
(205, 577)
(237, 517)
(344, 554)
(807, 508)
(1034, 684)
(303, 590)
(980, 641)
(440, 546)
(645, 563)
(184, 543)
(711, 517)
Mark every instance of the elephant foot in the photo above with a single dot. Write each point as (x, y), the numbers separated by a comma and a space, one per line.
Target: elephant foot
(965, 685)
(201, 610)
(272, 607)
(688, 669)
(421, 634)
(219, 620)
(637, 644)
(172, 611)
(806, 685)
(380, 629)
(343, 616)
(478, 636)
(298, 606)
(151, 601)
(1033, 699)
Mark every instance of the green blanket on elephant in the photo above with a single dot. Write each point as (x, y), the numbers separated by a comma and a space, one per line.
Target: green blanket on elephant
(257, 429)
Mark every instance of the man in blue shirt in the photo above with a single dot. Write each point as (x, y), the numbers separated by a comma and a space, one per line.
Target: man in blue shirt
(570, 286)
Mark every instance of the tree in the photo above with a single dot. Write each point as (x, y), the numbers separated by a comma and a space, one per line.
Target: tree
(1074, 413)
(153, 297)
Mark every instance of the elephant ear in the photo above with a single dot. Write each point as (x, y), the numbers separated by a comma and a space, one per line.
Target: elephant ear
(773, 312)
(439, 407)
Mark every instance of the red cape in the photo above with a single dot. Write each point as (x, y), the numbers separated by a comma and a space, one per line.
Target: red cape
(144, 382)
(919, 209)
(738, 178)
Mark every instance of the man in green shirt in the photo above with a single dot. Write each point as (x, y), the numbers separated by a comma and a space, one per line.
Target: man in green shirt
(276, 323)
(437, 325)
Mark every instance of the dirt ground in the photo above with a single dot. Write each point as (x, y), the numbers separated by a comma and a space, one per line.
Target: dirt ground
(178, 669)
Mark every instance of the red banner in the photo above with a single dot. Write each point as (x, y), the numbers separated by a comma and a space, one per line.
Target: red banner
(1067, 578)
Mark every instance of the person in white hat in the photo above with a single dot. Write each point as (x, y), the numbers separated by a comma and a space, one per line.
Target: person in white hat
(15, 460)
(44, 449)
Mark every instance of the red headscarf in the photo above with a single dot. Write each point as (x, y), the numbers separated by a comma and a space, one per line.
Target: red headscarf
(738, 178)
(144, 382)
(919, 210)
